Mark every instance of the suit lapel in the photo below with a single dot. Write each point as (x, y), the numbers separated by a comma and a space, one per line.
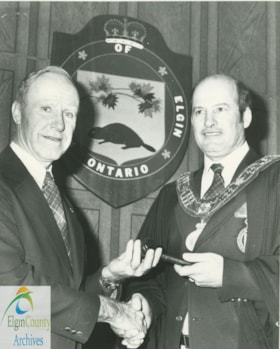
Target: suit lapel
(250, 157)
(76, 234)
(76, 241)
(197, 182)
(31, 198)
(221, 216)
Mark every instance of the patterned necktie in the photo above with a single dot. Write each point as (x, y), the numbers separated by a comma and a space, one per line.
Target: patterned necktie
(53, 198)
(217, 184)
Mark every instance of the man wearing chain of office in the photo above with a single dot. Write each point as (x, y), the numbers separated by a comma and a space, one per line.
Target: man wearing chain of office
(222, 219)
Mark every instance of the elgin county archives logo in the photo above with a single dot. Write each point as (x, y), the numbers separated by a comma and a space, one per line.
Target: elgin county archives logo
(25, 320)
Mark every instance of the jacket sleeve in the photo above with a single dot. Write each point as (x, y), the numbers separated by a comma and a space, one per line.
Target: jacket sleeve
(154, 227)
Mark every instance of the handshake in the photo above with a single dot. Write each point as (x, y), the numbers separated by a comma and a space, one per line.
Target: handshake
(129, 321)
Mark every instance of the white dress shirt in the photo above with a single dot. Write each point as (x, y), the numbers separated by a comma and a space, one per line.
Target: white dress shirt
(230, 164)
(34, 167)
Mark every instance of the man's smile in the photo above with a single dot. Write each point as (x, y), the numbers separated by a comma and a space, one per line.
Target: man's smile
(53, 138)
(211, 133)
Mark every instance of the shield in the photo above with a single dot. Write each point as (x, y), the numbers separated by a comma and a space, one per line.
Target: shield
(133, 124)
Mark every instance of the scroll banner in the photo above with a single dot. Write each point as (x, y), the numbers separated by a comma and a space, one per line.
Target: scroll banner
(133, 126)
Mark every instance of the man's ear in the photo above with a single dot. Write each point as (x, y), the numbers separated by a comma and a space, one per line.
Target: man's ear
(247, 117)
(16, 112)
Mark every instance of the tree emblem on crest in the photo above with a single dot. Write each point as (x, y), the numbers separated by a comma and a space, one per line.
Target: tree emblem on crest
(102, 91)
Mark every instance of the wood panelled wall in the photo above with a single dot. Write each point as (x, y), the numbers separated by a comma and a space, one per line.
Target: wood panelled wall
(236, 38)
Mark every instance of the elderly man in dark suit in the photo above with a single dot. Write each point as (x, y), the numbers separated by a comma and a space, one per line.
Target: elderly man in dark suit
(224, 221)
(41, 240)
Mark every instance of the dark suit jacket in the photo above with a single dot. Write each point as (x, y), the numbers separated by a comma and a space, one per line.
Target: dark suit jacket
(32, 252)
(240, 314)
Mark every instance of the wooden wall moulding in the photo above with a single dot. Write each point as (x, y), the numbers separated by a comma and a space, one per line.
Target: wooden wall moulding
(133, 126)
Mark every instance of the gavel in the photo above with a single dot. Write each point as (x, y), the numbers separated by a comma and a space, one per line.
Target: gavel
(147, 244)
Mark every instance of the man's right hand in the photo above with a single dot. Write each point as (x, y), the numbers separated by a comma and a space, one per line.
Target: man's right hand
(139, 302)
(126, 320)
(130, 263)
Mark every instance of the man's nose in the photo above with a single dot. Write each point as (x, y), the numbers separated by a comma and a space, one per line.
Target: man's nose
(58, 121)
(209, 119)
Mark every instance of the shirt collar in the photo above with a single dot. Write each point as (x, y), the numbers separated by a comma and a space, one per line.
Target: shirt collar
(230, 162)
(34, 167)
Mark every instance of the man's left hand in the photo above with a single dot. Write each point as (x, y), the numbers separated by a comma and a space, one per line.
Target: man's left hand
(206, 269)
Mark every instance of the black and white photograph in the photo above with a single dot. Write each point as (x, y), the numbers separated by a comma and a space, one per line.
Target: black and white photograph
(139, 174)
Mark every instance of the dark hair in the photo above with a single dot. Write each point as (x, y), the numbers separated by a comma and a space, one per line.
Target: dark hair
(244, 96)
(29, 80)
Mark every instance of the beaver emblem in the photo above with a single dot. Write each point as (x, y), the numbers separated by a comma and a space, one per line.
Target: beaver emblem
(119, 134)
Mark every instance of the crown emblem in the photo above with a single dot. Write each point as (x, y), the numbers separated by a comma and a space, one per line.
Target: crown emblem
(129, 33)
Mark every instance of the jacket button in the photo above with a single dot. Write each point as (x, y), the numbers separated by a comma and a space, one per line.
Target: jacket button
(67, 329)
(179, 318)
(79, 333)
